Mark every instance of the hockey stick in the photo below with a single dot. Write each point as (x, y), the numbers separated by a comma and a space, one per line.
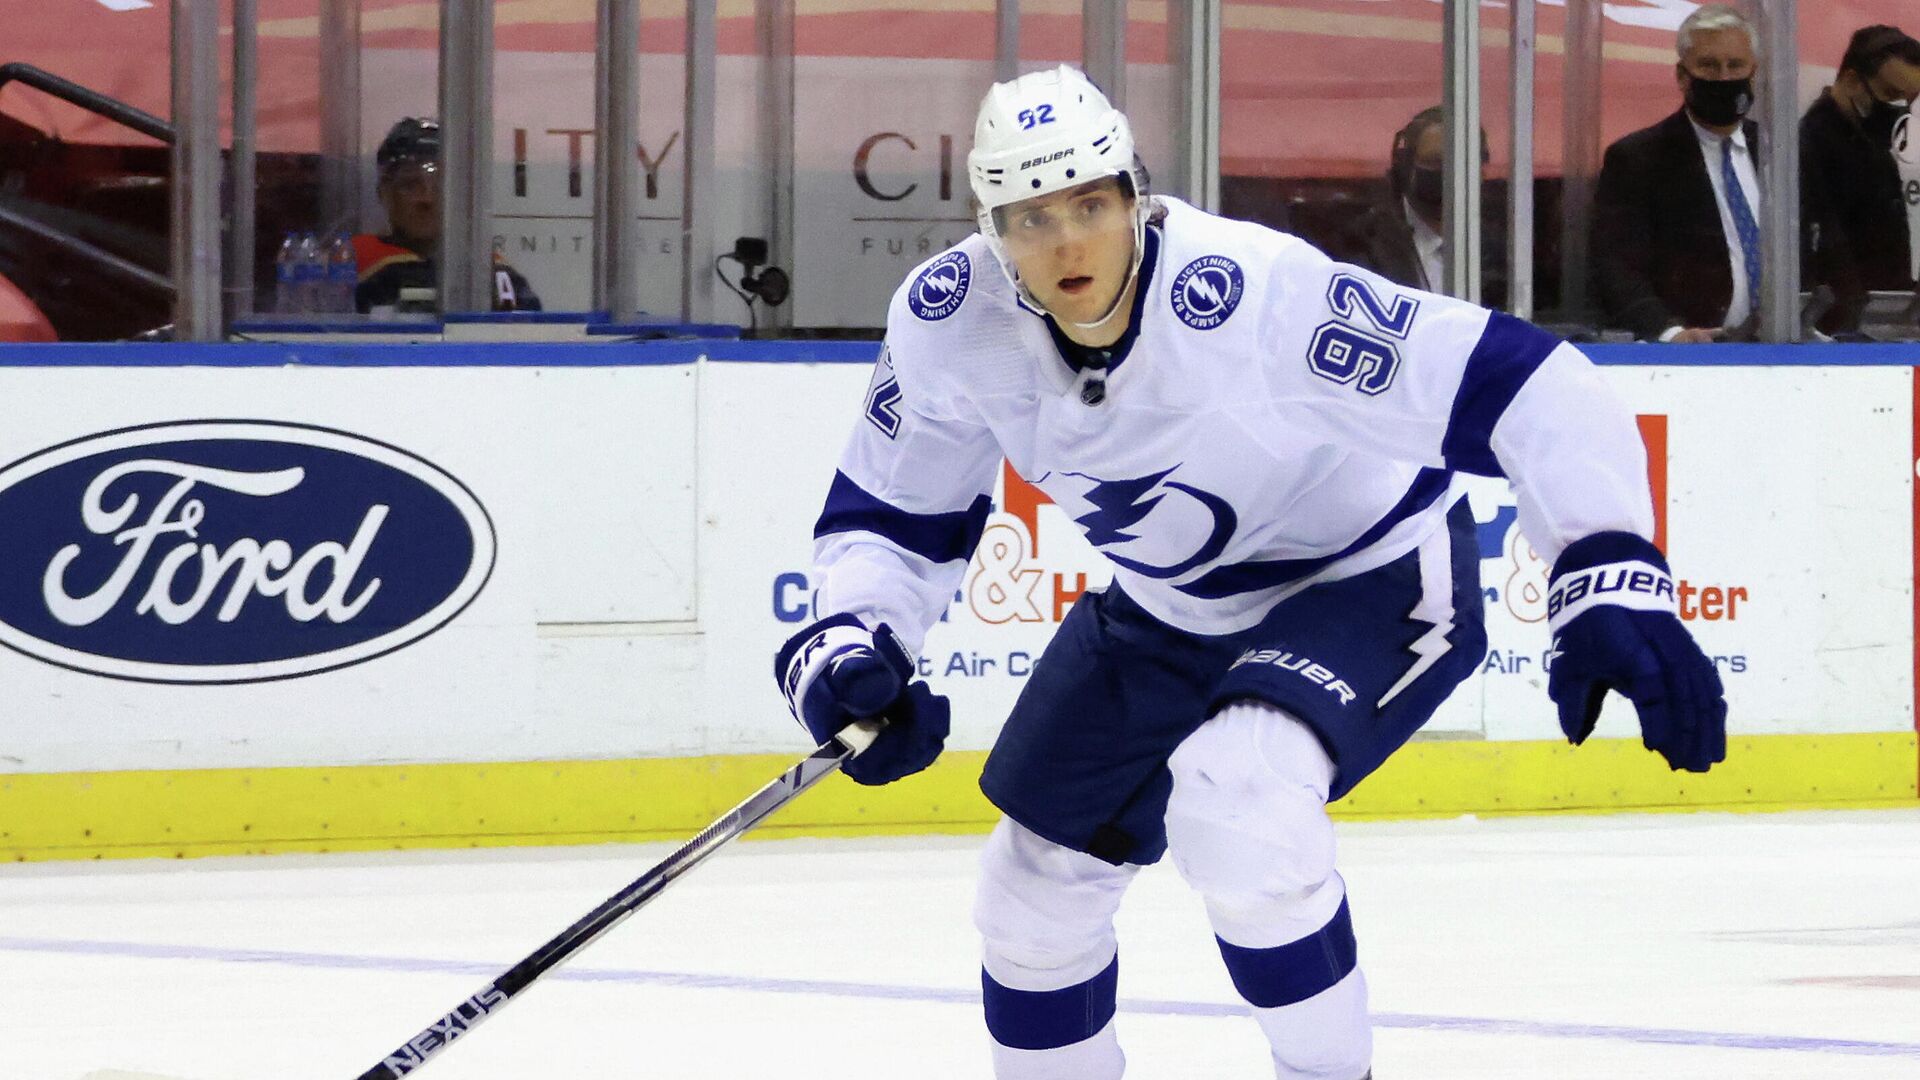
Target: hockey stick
(493, 997)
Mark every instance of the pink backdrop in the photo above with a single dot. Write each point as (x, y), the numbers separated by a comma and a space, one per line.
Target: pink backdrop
(1312, 87)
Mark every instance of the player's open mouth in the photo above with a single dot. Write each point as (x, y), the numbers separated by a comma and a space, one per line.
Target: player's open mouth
(1074, 286)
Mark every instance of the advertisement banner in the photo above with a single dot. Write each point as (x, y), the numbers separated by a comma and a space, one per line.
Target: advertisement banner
(1776, 491)
(273, 566)
(328, 565)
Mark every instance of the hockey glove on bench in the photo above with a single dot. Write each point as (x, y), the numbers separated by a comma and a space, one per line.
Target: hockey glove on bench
(836, 672)
(1611, 606)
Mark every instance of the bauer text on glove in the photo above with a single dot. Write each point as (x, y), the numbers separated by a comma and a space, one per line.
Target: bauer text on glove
(1610, 604)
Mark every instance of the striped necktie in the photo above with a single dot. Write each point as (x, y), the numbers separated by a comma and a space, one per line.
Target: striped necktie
(1743, 223)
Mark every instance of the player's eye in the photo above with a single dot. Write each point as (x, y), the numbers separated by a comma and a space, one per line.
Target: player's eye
(1033, 221)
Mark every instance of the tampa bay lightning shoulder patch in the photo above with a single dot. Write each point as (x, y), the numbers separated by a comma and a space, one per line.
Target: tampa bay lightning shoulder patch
(1207, 290)
(937, 292)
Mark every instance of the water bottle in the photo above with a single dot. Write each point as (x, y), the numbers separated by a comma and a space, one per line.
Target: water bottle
(310, 274)
(343, 273)
(286, 277)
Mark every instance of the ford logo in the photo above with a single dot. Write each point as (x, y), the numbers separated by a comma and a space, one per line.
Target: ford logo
(232, 551)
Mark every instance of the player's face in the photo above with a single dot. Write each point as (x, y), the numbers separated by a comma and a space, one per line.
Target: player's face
(411, 196)
(1072, 248)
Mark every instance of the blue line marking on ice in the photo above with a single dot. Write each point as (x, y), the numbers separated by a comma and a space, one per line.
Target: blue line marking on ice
(893, 992)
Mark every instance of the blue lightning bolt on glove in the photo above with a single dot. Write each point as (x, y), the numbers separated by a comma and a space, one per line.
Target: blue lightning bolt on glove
(1610, 603)
(836, 672)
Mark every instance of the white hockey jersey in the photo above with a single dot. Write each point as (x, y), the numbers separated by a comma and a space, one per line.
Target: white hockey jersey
(1274, 419)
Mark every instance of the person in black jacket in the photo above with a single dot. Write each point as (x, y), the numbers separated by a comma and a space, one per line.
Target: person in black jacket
(1676, 237)
(1853, 206)
(1400, 238)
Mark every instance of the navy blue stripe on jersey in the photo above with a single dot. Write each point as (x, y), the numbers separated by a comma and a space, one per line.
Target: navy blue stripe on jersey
(1506, 356)
(1429, 486)
(1049, 1019)
(1291, 973)
(936, 537)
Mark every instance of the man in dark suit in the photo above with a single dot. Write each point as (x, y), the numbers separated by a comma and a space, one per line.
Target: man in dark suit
(1400, 238)
(1853, 203)
(1676, 237)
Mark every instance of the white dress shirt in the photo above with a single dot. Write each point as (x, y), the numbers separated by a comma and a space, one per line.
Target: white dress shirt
(1426, 243)
(1739, 310)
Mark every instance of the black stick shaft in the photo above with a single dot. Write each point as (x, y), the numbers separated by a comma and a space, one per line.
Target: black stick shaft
(494, 996)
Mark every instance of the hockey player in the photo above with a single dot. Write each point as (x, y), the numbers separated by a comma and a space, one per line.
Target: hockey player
(407, 256)
(1264, 443)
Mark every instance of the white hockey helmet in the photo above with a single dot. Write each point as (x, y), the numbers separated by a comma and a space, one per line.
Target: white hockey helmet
(1045, 132)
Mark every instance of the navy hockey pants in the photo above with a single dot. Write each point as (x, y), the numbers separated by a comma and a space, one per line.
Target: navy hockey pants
(1364, 661)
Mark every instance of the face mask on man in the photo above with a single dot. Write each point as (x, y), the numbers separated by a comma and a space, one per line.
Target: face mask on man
(1881, 118)
(1719, 102)
(1427, 190)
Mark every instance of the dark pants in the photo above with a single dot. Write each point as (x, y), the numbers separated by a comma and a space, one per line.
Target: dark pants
(1082, 761)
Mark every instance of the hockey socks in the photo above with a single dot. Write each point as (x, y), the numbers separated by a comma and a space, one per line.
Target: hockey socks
(1292, 973)
(1064, 1034)
(1310, 999)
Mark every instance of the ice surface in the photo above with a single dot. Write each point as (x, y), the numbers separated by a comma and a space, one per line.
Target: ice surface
(1690, 946)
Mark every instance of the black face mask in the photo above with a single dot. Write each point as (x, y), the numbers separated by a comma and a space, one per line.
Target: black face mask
(1427, 190)
(1719, 102)
(1880, 121)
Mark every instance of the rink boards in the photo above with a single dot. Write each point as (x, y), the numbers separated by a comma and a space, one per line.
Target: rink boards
(518, 594)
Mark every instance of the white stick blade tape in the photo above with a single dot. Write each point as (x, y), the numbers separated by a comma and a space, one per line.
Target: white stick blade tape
(858, 736)
(121, 1074)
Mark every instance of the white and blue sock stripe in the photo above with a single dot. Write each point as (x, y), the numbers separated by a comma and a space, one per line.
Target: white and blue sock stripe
(1050, 1019)
(1291, 973)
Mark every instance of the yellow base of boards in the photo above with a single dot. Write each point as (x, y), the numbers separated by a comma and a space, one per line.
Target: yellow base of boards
(185, 813)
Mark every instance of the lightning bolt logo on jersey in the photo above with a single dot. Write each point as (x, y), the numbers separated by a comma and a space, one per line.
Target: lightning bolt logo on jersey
(1123, 504)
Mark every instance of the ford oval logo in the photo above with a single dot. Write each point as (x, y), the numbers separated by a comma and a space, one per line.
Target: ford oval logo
(230, 551)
